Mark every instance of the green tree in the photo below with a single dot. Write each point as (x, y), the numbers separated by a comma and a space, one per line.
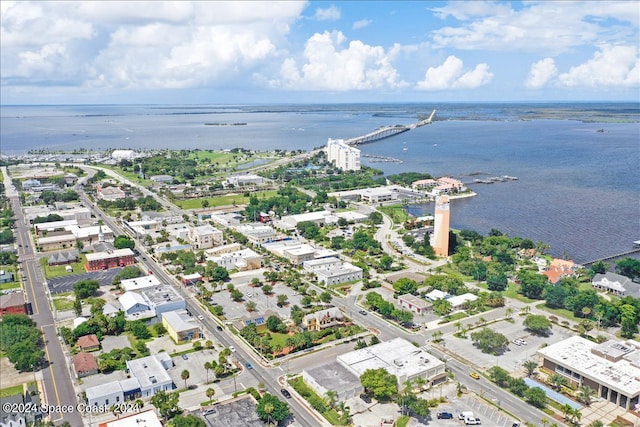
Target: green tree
(497, 282)
(280, 409)
(210, 393)
(558, 381)
(267, 289)
(123, 242)
(499, 376)
(237, 295)
(187, 421)
(380, 383)
(628, 267)
(385, 262)
(442, 307)
(167, 404)
(536, 396)
(325, 297)
(532, 284)
(489, 341)
(585, 394)
(185, 376)
(405, 286)
(77, 306)
(530, 366)
(275, 324)
(250, 306)
(85, 288)
(537, 324)
(628, 321)
(282, 300)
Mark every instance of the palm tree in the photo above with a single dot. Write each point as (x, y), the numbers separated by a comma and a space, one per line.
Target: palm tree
(585, 393)
(567, 411)
(420, 383)
(508, 313)
(596, 423)
(544, 422)
(331, 396)
(139, 404)
(557, 381)
(530, 366)
(268, 409)
(525, 310)
(436, 337)
(207, 366)
(185, 376)
(210, 393)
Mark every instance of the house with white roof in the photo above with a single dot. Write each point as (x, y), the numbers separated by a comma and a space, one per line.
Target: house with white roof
(458, 301)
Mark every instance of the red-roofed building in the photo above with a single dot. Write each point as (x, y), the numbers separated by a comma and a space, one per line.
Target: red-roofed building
(84, 364)
(12, 303)
(88, 342)
(558, 269)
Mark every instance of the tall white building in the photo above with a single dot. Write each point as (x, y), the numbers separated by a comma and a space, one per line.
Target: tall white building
(344, 156)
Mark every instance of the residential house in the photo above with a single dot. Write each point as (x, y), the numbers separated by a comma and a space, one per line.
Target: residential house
(88, 342)
(84, 365)
(323, 319)
(12, 303)
(414, 304)
(6, 276)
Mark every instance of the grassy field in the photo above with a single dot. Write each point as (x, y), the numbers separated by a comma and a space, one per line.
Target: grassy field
(10, 391)
(62, 302)
(60, 270)
(560, 312)
(397, 213)
(130, 175)
(219, 157)
(227, 200)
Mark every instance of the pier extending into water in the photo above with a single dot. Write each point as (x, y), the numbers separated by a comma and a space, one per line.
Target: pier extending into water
(388, 131)
(613, 257)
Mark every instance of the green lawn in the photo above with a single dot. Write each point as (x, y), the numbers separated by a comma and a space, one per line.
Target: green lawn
(229, 199)
(10, 391)
(219, 157)
(560, 312)
(62, 303)
(60, 270)
(131, 176)
(397, 213)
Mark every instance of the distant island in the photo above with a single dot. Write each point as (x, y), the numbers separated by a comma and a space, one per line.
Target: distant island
(225, 124)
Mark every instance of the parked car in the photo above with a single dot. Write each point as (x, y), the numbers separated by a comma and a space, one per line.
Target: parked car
(365, 398)
(185, 357)
(472, 421)
(445, 416)
(209, 412)
(285, 393)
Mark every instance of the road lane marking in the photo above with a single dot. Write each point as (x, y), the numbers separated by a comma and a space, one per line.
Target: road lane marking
(33, 291)
(53, 376)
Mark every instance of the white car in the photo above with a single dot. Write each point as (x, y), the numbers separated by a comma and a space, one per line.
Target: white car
(201, 317)
(232, 348)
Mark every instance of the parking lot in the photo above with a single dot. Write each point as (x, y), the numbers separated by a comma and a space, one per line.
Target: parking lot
(65, 283)
(515, 355)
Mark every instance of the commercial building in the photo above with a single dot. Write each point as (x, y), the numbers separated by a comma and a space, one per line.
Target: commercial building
(146, 418)
(343, 155)
(242, 260)
(414, 304)
(110, 194)
(611, 369)
(123, 154)
(616, 284)
(205, 236)
(341, 274)
(440, 237)
(321, 264)
(335, 377)
(318, 217)
(12, 303)
(398, 357)
(181, 326)
(162, 179)
(246, 179)
(139, 283)
(112, 259)
(163, 298)
(135, 306)
(457, 302)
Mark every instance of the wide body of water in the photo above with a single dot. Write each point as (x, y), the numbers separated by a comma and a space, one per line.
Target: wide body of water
(578, 188)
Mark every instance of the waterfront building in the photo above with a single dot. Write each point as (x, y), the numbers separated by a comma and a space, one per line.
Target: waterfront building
(616, 284)
(611, 369)
(440, 237)
(343, 155)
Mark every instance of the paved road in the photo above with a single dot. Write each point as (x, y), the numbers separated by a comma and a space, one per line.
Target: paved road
(267, 375)
(58, 388)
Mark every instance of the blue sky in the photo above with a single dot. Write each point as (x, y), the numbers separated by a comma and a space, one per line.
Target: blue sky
(308, 52)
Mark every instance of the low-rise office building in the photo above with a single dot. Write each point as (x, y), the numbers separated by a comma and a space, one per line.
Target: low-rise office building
(242, 260)
(616, 284)
(111, 259)
(139, 283)
(335, 377)
(181, 326)
(205, 236)
(398, 357)
(414, 304)
(341, 274)
(611, 369)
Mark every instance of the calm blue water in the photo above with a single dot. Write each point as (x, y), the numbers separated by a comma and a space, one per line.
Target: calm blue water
(578, 189)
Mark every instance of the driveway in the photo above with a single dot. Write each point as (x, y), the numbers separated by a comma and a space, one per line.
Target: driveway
(65, 284)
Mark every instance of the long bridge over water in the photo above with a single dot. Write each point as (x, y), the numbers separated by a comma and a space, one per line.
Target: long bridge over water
(388, 131)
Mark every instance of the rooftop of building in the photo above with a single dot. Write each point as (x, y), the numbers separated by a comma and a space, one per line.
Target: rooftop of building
(139, 283)
(398, 356)
(146, 418)
(148, 371)
(161, 294)
(180, 320)
(333, 376)
(111, 254)
(576, 353)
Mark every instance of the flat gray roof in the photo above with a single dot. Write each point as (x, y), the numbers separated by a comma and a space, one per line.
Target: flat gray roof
(333, 376)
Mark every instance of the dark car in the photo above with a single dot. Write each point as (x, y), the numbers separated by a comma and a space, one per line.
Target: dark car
(219, 327)
(366, 398)
(363, 312)
(285, 393)
(248, 365)
(445, 416)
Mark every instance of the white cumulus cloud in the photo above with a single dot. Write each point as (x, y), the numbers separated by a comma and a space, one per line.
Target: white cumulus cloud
(541, 73)
(331, 13)
(451, 75)
(611, 66)
(328, 65)
(361, 24)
